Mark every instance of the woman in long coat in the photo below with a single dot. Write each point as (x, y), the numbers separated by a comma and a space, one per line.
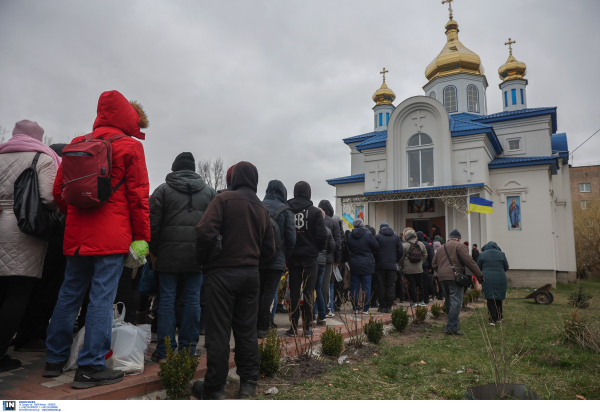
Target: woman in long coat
(362, 247)
(493, 264)
(21, 255)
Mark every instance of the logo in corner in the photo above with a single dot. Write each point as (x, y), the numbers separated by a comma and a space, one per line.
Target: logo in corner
(9, 405)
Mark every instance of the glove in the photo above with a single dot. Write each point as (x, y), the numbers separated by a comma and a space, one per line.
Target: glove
(140, 248)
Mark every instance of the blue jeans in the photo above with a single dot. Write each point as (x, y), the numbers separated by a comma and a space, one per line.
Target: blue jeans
(320, 303)
(275, 302)
(190, 320)
(453, 294)
(103, 272)
(356, 283)
(332, 296)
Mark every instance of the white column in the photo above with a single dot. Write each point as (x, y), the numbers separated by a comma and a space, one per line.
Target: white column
(446, 220)
(469, 221)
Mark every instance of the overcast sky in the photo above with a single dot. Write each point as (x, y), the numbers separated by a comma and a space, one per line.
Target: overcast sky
(279, 83)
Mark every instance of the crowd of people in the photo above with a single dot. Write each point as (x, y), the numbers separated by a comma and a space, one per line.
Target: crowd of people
(219, 258)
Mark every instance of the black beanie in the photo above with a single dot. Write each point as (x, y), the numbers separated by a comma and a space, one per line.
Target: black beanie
(184, 161)
(455, 234)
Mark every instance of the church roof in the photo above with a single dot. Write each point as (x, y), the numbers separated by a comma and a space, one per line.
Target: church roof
(508, 115)
(426, 189)
(560, 145)
(362, 137)
(502, 162)
(346, 179)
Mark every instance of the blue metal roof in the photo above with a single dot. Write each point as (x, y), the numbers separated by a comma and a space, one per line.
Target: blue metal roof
(503, 162)
(360, 137)
(425, 189)
(560, 145)
(378, 140)
(346, 179)
(520, 114)
(458, 125)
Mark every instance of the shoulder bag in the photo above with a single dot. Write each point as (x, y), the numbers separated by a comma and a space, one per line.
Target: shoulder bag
(460, 278)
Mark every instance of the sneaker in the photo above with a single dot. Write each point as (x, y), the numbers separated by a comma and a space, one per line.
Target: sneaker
(365, 312)
(53, 370)
(330, 315)
(453, 333)
(492, 324)
(248, 389)
(422, 304)
(413, 305)
(87, 377)
(261, 334)
(290, 332)
(35, 345)
(321, 322)
(201, 394)
(161, 361)
(307, 333)
(280, 309)
(272, 324)
(9, 364)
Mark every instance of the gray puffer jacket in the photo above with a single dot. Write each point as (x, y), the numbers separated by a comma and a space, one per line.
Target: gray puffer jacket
(176, 207)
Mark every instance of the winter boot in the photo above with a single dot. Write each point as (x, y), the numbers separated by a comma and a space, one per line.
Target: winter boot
(88, 377)
(248, 389)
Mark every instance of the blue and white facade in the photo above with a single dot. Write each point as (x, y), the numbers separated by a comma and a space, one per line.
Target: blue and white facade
(515, 158)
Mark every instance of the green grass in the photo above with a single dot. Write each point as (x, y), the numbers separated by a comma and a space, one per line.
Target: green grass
(552, 370)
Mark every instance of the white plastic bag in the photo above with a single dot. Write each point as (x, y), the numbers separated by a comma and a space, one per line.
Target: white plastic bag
(338, 275)
(75, 348)
(129, 346)
(133, 261)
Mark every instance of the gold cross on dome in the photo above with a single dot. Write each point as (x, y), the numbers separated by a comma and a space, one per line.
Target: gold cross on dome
(449, 6)
(384, 72)
(509, 44)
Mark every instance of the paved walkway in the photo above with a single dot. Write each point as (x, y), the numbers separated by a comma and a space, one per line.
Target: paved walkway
(27, 383)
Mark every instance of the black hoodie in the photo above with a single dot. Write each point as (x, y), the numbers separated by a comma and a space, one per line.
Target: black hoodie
(311, 236)
(243, 222)
(275, 198)
(334, 226)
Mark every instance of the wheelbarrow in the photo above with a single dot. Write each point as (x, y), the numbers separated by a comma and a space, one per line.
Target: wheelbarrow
(541, 295)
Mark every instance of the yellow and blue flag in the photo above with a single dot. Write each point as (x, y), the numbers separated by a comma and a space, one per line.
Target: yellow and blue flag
(348, 219)
(480, 205)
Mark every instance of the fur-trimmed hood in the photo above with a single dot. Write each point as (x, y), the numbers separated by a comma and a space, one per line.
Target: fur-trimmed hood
(115, 111)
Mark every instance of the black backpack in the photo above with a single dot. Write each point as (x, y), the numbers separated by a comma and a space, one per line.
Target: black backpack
(276, 230)
(415, 254)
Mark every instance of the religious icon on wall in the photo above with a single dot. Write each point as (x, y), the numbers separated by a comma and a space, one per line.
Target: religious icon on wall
(421, 205)
(514, 212)
(360, 212)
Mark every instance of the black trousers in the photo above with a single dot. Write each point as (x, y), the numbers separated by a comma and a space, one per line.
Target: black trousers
(303, 274)
(44, 296)
(386, 285)
(437, 288)
(269, 281)
(14, 295)
(128, 293)
(415, 285)
(495, 310)
(426, 286)
(231, 303)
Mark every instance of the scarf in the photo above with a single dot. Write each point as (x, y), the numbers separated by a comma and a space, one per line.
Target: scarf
(24, 143)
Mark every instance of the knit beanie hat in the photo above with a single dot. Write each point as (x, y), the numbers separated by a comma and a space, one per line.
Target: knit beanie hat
(31, 129)
(455, 234)
(358, 223)
(382, 225)
(184, 161)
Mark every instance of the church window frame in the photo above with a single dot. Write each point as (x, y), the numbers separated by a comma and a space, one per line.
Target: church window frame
(522, 97)
(514, 145)
(585, 187)
(432, 95)
(450, 101)
(473, 98)
(387, 119)
(513, 94)
(380, 119)
(506, 99)
(419, 152)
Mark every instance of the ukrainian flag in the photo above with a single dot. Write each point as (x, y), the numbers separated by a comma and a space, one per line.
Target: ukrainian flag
(480, 205)
(348, 219)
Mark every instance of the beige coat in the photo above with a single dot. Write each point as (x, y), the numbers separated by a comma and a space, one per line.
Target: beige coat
(21, 254)
(406, 265)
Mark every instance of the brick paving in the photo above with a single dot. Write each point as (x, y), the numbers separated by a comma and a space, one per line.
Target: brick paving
(27, 383)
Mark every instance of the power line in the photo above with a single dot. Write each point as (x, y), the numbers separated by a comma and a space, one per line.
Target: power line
(585, 141)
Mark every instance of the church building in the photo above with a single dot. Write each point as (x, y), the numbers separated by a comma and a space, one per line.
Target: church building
(430, 155)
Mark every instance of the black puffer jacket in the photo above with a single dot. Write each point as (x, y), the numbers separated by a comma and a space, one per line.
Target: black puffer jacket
(390, 249)
(275, 198)
(176, 207)
(311, 236)
(334, 226)
(429, 248)
(362, 247)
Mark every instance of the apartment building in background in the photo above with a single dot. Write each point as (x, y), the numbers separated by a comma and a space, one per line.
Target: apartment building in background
(585, 183)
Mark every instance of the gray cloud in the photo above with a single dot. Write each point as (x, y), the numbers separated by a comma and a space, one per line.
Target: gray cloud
(278, 83)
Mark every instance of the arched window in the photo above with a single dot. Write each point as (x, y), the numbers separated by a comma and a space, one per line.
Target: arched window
(473, 98)
(450, 99)
(420, 161)
(432, 95)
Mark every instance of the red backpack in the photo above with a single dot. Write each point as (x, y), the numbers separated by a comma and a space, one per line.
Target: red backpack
(86, 167)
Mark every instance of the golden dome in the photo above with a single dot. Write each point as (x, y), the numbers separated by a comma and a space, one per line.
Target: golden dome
(512, 69)
(384, 95)
(454, 58)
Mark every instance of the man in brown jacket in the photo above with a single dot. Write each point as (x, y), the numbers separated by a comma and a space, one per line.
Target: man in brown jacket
(453, 292)
(233, 280)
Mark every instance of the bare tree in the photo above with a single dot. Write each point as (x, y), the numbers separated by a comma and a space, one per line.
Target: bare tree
(48, 140)
(3, 131)
(587, 237)
(213, 173)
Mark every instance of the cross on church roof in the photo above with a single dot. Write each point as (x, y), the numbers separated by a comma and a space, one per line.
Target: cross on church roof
(509, 44)
(449, 6)
(384, 72)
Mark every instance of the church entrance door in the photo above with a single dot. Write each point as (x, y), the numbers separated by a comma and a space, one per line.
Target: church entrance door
(424, 225)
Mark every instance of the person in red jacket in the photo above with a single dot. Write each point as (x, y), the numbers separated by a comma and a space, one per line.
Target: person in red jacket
(96, 243)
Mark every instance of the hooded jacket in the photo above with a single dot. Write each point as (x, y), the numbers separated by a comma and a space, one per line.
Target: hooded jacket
(493, 264)
(427, 263)
(176, 207)
(362, 247)
(275, 198)
(459, 254)
(125, 217)
(311, 236)
(333, 225)
(243, 222)
(390, 249)
(407, 266)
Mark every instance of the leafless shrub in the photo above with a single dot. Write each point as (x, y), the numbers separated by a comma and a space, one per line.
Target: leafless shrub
(586, 224)
(577, 329)
(3, 131)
